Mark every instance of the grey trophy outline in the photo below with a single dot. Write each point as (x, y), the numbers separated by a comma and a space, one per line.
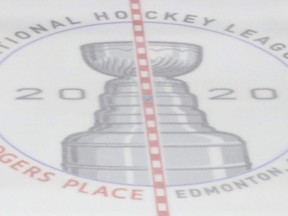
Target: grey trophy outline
(114, 149)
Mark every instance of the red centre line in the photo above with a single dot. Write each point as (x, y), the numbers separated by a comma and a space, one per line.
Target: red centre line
(149, 109)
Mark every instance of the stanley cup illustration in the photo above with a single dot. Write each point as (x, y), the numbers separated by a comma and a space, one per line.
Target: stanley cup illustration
(114, 149)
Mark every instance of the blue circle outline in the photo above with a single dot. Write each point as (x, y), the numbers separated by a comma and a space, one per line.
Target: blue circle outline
(149, 22)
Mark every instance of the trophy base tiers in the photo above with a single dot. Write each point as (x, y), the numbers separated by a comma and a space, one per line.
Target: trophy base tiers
(123, 157)
(143, 177)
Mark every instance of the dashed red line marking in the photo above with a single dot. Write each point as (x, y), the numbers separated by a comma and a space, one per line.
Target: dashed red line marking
(149, 108)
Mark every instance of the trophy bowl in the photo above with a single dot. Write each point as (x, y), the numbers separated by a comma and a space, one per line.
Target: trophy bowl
(167, 59)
